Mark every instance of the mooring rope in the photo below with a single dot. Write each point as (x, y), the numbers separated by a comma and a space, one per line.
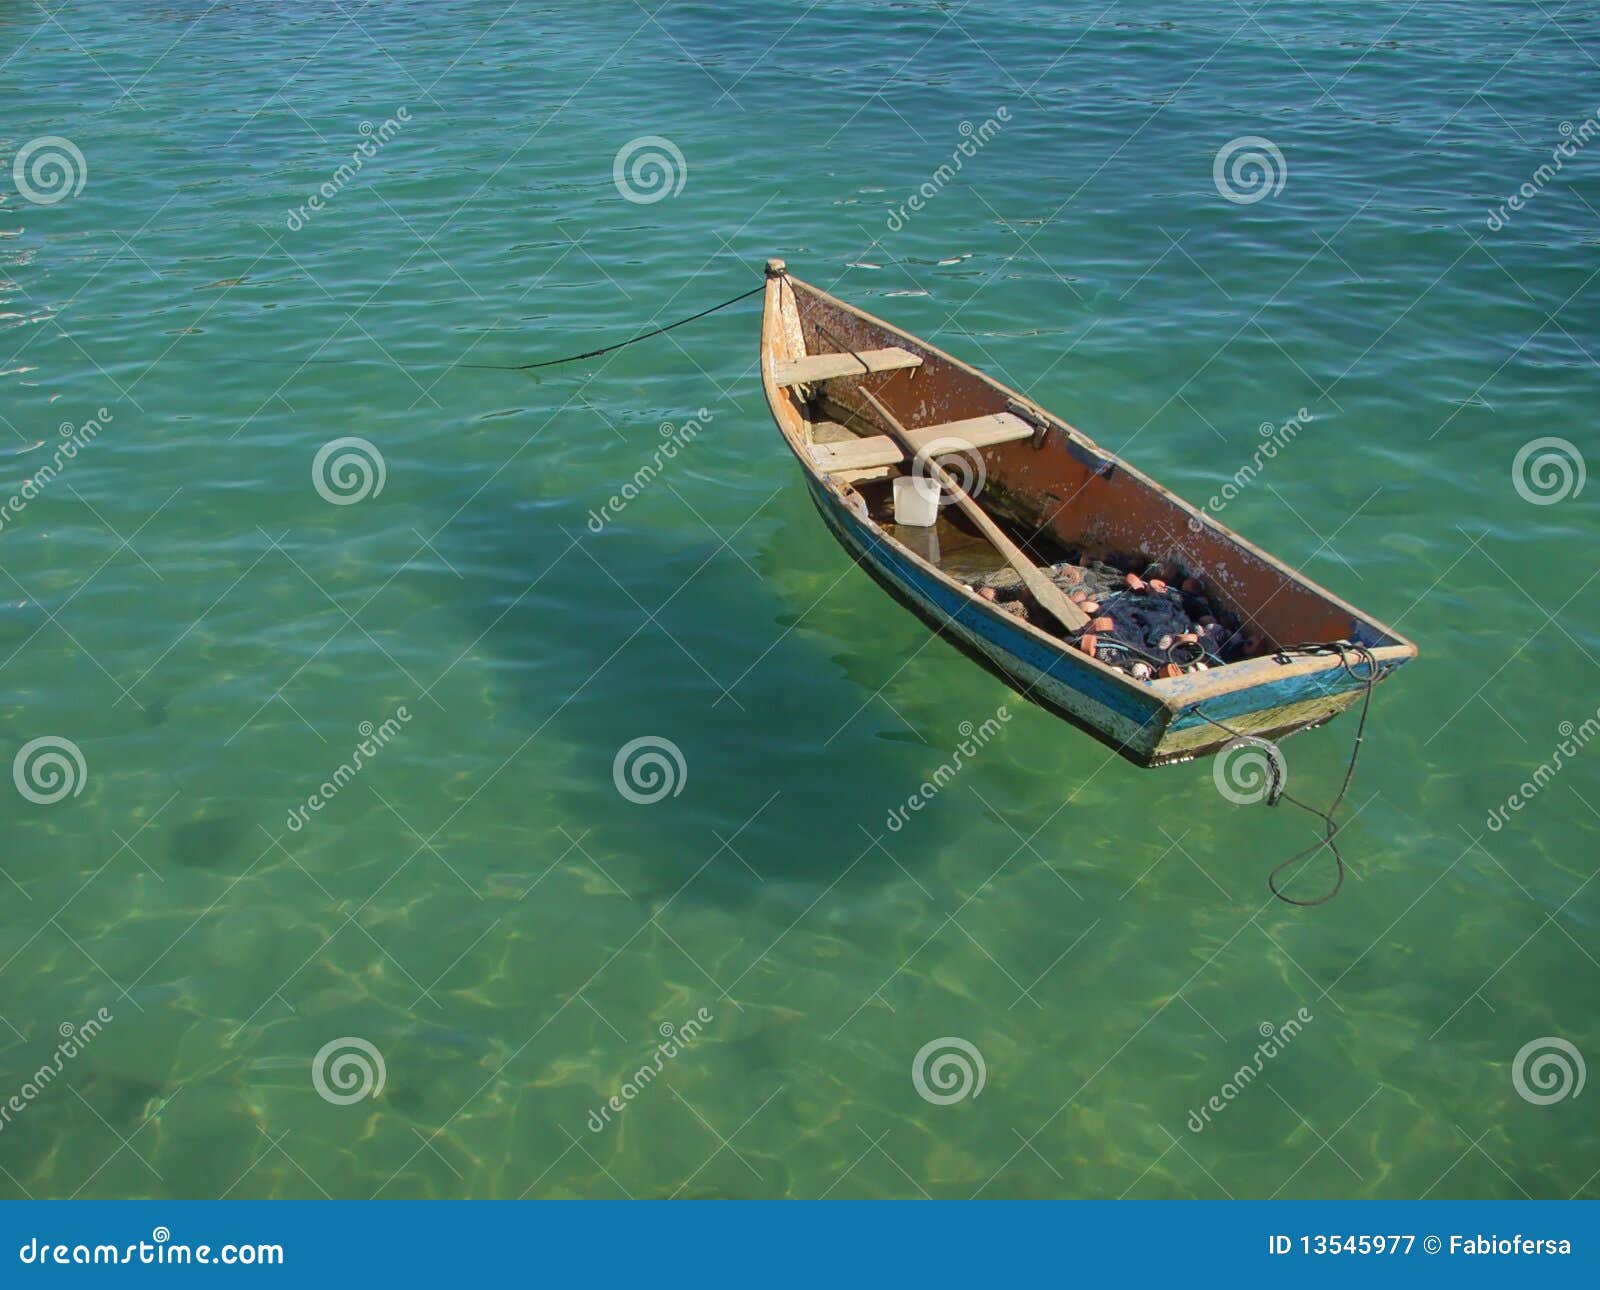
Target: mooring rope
(1276, 790)
(505, 367)
(607, 349)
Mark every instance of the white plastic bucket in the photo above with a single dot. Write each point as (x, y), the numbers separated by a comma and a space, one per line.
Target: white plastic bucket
(916, 500)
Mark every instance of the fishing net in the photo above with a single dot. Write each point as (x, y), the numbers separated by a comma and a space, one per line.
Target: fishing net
(1140, 622)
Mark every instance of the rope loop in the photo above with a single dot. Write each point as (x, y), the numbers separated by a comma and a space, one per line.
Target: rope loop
(1351, 655)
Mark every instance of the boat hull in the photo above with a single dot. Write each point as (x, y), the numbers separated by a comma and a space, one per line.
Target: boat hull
(1051, 482)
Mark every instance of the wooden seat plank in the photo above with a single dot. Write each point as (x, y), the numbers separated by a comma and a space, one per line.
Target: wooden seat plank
(880, 450)
(828, 367)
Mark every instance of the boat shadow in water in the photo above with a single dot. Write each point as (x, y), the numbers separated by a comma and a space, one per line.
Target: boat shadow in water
(748, 755)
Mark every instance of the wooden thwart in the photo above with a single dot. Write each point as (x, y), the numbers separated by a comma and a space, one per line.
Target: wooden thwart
(1045, 592)
(881, 450)
(828, 367)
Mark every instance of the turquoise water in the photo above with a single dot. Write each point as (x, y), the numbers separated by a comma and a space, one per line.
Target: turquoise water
(479, 904)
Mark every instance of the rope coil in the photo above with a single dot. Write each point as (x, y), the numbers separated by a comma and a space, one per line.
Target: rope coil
(1277, 790)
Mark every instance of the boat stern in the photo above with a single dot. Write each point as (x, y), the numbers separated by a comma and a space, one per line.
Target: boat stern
(1267, 698)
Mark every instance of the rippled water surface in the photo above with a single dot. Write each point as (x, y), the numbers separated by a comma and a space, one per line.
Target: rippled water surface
(479, 906)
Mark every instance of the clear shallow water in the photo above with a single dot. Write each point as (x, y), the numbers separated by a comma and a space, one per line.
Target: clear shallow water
(480, 904)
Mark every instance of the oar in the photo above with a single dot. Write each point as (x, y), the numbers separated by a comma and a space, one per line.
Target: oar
(1038, 584)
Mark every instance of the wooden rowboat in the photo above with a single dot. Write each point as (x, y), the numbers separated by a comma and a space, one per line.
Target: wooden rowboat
(843, 386)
